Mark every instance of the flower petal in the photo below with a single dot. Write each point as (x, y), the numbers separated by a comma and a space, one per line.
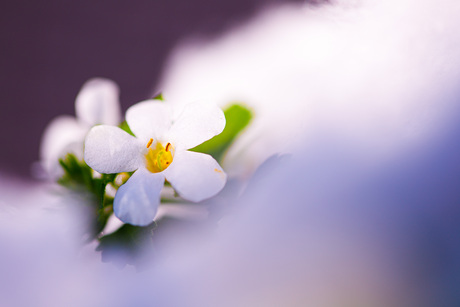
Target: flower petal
(195, 176)
(109, 149)
(136, 202)
(62, 135)
(97, 103)
(149, 119)
(197, 123)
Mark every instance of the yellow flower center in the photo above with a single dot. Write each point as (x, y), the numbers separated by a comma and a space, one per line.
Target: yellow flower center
(158, 158)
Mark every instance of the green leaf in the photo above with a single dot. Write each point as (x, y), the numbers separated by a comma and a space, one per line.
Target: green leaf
(124, 126)
(159, 97)
(238, 117)
(77, 174)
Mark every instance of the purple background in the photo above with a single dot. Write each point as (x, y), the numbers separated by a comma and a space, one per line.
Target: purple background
(50, 48)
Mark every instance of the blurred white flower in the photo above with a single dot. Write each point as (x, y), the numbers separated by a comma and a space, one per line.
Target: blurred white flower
(158, 152)
(96, 103)
(342, 67)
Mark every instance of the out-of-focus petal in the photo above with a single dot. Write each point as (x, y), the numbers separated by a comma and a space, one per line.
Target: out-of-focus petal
(149, 119)
(62, 135)
(109, 149)
(195, 176)
(197, 123)
(136, 202)
(98, 103)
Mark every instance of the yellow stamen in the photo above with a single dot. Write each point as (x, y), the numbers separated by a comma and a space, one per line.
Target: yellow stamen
(157, 159)
(150, 143)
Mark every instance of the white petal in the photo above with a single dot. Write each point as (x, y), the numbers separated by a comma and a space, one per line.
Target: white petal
(62, 135)
(136, 202)
(109, 149)
(195, 176)
(98, 103)
(149, 119)
(197, 123)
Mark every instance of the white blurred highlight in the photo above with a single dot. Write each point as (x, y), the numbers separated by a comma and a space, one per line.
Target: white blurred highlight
(368, 69)
(365, 214)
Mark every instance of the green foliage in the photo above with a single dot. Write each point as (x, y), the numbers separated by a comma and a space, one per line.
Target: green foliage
(124, 126)
(238, 117)
(78, 177)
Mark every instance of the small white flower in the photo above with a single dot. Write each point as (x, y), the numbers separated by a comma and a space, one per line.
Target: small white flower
(96, 103)
(158, 152)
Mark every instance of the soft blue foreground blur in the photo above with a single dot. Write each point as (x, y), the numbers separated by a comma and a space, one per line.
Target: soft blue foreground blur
(325, 228)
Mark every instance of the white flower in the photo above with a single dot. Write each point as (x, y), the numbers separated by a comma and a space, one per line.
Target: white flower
(158, 152)
(96, 103)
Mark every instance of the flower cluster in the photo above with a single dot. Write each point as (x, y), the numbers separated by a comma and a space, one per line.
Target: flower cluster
(158, 152)
(151, 151)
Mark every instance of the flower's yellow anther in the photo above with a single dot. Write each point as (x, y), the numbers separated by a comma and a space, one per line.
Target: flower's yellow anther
(150, 143)
(158, 159)
(217, 170)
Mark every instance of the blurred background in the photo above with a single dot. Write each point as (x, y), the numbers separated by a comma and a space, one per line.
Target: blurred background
(364, 94)
(49, 49)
